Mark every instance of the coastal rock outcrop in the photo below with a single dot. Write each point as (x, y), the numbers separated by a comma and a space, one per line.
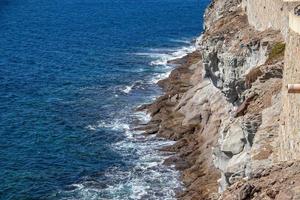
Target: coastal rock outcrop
(240, 62)
(223, 105)
(191, 112)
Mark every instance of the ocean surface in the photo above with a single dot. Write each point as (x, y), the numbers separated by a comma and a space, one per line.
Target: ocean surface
(71, 74)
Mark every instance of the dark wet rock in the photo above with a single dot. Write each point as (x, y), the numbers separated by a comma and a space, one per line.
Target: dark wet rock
(246, 192)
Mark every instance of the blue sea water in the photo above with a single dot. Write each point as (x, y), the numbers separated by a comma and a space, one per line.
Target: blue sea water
(71, 74)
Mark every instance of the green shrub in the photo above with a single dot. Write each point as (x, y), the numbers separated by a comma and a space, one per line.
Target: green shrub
(277, 51)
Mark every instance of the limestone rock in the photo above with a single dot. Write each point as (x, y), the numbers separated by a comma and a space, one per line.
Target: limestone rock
(234, 140)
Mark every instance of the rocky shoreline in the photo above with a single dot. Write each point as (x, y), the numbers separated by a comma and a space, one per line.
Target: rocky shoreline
(168, 122)
(222, 106)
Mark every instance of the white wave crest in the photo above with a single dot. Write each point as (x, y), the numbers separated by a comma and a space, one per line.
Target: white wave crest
(128, 88)
(183, 41)
(116, 125)
(143, 117)
(159, 77)
(161, 58)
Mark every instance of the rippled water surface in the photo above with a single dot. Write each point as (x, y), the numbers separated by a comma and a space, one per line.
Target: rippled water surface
(71, 72)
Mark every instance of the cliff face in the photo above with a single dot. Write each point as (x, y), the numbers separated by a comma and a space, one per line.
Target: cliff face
(290, 118)
(190, 112)
(238, 61)
(227, 107)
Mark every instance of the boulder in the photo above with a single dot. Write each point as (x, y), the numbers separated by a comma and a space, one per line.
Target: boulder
(234, 140)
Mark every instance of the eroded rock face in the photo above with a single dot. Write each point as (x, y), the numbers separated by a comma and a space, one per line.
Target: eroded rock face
(219, 9)
(279, 182)
(235, 59)
(222, 105)
(190, 112)
(231, 48)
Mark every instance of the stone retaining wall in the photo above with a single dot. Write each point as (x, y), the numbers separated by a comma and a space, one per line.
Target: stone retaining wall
(264, 14)
(290, 118)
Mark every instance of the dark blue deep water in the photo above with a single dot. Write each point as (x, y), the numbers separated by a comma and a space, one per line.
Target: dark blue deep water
(71, 73)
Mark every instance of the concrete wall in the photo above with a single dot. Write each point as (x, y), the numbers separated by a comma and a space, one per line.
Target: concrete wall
(289, 136)
(264, 14)
(277, 14)
(294, 22)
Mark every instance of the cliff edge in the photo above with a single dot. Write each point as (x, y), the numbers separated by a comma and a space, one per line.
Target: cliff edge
(228, 108)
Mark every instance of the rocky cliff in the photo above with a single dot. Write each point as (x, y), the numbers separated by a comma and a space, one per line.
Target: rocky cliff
(227, 107)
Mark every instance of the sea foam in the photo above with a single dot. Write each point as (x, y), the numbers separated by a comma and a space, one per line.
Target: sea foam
(146, 177)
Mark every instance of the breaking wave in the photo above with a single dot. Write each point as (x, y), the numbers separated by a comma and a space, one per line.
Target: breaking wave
(161, 57)
(144, 177)
(143, 174)
(128, 88)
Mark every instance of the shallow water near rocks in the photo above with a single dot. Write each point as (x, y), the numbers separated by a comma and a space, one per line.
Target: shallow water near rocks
(71, 74)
